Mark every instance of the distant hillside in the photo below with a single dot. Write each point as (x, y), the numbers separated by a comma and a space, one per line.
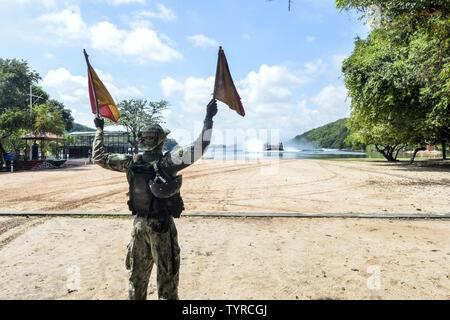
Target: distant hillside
(330, 136)
(79, 127)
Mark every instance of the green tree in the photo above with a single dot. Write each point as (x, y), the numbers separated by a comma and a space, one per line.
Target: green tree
(47, 119)
(11, 123)
(385, 106)
(16, 78)
(136, 114)
(65, 113)
(398, 78)
(334, 135)
(15, 143)
(79, 127)
(389, 10)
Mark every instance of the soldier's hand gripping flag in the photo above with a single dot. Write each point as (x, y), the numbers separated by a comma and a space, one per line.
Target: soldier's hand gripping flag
(224, 88)
(102, 104)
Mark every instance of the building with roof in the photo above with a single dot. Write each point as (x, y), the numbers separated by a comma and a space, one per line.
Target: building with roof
(79, 144)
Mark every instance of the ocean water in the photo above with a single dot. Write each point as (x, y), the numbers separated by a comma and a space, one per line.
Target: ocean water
(233, 153)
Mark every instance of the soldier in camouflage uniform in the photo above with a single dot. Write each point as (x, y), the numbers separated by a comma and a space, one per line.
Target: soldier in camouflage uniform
(154, 236)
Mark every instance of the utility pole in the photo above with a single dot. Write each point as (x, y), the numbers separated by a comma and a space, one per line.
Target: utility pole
(33, 96)
(31, 112)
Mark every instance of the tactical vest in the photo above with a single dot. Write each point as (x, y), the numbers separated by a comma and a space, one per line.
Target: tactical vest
(141, 200)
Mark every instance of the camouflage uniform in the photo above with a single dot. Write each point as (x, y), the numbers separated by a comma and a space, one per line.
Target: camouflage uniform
(153, 241)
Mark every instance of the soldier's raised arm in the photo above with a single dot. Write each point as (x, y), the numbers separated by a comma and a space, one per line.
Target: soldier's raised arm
(182, 158)
(111, 161)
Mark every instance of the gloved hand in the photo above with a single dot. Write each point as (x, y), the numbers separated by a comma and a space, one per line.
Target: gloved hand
(99, 123)
(211, 109)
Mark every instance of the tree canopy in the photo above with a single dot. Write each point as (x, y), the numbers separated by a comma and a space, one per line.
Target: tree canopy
(399, 77)
(136, 114)
(16, 78)
(47, 119)
(16, 119)
(332, 135)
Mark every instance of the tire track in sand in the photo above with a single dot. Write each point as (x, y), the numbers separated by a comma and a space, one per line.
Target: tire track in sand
(73, 204)
(59, 190)
(12, 228)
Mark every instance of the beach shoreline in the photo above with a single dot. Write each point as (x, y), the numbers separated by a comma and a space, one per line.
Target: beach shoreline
(53, 257)
(304, 186)
(233, 258)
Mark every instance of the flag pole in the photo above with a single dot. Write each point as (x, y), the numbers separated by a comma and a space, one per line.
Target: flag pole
(86, 56)
(217, 71)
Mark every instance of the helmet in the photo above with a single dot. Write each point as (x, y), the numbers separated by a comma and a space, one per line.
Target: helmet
(152, 136)
(154, 127)
(163, 189)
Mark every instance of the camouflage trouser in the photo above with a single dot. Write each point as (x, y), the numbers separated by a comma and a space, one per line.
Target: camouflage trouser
(148, 246)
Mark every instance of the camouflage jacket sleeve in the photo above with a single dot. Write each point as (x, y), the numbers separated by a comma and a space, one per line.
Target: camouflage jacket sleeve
(182, 158)
(111, 161)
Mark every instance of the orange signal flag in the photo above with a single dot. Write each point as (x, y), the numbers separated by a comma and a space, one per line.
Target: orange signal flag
(224, 88)
(102, 104)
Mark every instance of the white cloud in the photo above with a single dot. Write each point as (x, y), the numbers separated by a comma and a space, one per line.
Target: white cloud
(200, 40)
(72, 90)
(331, 97)
(162, 13)
(314, 67)
(270, 84)
(266, 95)
(270, 98)
(67, 87)
(267, 90)
(310, 39)
(328, 105)
(338, 59)
(171, 87)
(15, 3)
(119, 2)
(197, 93)
(49, 56)
(140, 42)
(67, 24)
(107, 37)
(193, 93)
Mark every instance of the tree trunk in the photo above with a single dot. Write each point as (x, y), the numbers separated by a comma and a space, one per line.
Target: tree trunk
(415, 153)
(390, 154)
(444, 150)
(134, 143)
(387, 152)
(2, 152)
(398, 151)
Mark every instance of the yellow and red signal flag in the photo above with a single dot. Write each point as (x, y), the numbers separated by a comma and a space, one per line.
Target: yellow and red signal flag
(102, 104)
(224, 88)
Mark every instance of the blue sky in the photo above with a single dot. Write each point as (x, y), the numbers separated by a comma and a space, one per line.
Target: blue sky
(286, 65)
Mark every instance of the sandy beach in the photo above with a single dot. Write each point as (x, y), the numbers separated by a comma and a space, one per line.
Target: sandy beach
(234, 258)
(237, 258)
(308, 186)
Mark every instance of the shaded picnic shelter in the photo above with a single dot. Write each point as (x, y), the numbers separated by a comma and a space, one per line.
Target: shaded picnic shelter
(34, 149)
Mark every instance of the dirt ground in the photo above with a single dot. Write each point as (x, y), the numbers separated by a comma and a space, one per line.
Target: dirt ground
(233, 258)
(237, 258)
(309, 186)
